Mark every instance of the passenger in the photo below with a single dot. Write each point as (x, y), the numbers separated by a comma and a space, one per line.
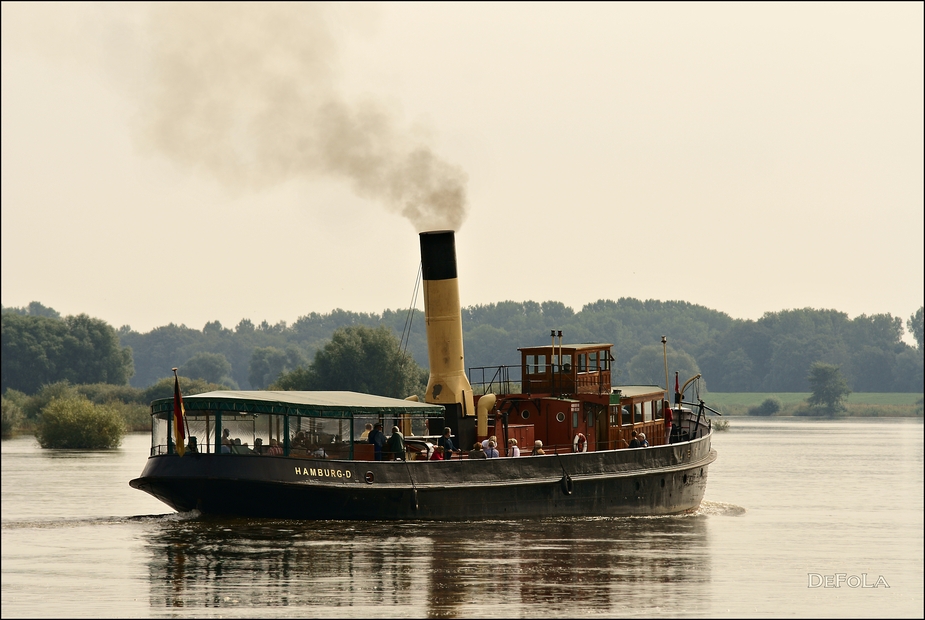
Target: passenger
(226, 437)
(192, 447)
(365, 435)
(446, 441)
(512, 449)
(669, 418)
(319, 453)
(642, 441)
(396, 444)
(634, 442)
(275, 448)
(259, 448)
(438, 454)
(300, 441)
(485, 442)
(377, 438)
(492, 452)
(239, 448)
(537, 448)
(476, 452)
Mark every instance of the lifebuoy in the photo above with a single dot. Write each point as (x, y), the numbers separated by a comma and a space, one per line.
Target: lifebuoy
(580, 443)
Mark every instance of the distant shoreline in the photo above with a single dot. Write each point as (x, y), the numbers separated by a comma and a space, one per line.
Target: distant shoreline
(857, 405)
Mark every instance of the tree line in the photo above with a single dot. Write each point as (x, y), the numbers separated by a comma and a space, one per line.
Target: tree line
(773, 353)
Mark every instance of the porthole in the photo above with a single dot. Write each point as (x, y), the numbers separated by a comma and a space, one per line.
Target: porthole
(560, 417)
(370, 477)
(525, 414)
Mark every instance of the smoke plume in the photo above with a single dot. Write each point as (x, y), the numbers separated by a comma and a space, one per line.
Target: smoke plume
(248, 94)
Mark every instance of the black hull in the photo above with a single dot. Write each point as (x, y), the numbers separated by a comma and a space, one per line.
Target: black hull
(660, 480)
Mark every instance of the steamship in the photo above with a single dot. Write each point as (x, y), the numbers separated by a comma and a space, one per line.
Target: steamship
(305, 455)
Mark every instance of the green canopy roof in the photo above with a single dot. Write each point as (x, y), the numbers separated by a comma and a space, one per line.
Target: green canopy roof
(324, 404)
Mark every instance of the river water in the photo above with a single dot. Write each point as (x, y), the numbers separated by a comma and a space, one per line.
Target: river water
(794, 508)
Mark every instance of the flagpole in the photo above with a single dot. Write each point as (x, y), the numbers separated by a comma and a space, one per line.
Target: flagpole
(177, 394)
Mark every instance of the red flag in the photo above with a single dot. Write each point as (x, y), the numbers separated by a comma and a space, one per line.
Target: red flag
(179, 416)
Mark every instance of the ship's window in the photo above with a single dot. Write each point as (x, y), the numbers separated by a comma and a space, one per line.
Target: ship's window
(560, 417)
(582, 362)
(324, 437)
(637, 412)
(647, 411)
(536, 364)
(566, 363)
(574, 419)
(592, 362)
(525, 414)
(659, 410)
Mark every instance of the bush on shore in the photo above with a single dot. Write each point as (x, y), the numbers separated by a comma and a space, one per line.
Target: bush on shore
(76, 423)
(769, 406)
(11, 414)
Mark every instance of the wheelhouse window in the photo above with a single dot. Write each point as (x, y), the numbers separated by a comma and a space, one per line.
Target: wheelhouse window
(536, 364)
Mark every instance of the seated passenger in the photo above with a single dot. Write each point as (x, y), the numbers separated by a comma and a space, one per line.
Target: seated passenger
(642, 441)
(300, 441)
(492, 452)
(476, 452)
(485, 442)
(192, 446)
(512, 449)
(537, 448)
(634, 442)
(438, 454)
(275, 448)
(226, 437)
(259, 448)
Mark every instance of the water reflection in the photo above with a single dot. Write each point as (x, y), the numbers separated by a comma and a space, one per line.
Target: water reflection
(563, 567)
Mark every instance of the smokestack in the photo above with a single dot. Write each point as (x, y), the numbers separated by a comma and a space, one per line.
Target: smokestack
(448, 383)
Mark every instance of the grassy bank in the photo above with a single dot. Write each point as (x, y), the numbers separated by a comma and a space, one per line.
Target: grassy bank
(861, 404)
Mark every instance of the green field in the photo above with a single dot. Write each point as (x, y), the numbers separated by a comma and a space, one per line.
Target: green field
(752, 399)
(875, 404)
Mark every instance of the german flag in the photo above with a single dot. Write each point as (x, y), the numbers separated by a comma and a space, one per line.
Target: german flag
(179, 416)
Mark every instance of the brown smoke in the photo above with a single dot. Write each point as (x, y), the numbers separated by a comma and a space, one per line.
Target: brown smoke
(247, 93)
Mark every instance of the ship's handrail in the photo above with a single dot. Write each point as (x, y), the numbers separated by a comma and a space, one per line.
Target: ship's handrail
(495, 379)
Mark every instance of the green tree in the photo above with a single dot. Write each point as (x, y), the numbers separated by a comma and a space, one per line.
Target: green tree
(829, 388)
(39, 350)
(360, 359)
(210, 367)
(188, 387)
(92, 353)
(76, 423)
(916, 325)
(268, 363)
(11, 414)
(647, 367)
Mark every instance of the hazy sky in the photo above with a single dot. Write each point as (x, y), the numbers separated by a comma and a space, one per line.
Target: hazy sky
(188, 163)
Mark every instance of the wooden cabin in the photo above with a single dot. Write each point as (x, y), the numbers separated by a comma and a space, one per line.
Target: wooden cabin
(566, 392)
